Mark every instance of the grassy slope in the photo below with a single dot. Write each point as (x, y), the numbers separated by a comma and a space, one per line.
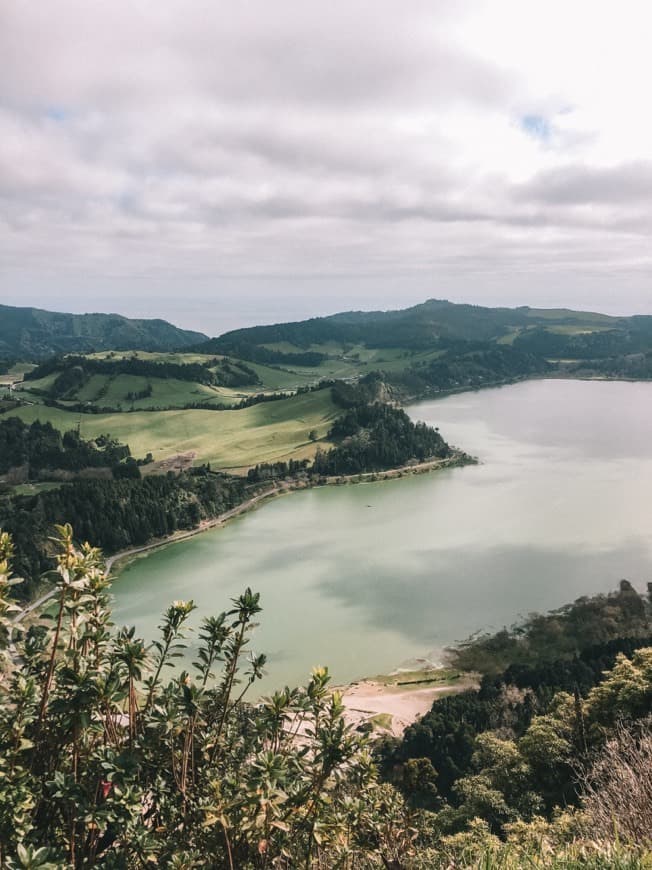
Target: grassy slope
(171, 392)
(153, 356)
(266, 432)
(165, 392)
(111, 391)
(588, 319)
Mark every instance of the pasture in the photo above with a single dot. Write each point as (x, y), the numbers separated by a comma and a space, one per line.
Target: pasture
(231, 440)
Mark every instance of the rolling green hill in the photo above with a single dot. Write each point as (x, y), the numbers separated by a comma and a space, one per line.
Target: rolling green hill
(429, 349)
(440, 346)
(420, 327)
(30, 333)
(267, 432)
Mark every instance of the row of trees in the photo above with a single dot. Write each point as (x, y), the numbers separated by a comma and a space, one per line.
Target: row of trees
(117, 514)
(72, 372)
(261, 354)
(377, 437)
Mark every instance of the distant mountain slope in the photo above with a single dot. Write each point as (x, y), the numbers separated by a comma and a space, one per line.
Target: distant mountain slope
(440, 346)
(30, 333)
(417, 328)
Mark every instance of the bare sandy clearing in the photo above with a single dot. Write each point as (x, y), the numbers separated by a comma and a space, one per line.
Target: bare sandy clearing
(368, 699)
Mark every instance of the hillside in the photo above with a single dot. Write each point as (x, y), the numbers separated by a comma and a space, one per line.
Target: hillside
(420, 327)
(30, 333)
(439, 346)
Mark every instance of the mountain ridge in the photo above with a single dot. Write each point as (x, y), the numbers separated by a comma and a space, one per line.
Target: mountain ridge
(35, 333)
(419, 326)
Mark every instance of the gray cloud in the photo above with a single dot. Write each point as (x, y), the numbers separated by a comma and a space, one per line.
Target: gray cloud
(585, 185)
(237, 152)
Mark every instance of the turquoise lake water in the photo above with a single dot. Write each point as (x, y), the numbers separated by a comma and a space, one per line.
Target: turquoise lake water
(367, 578)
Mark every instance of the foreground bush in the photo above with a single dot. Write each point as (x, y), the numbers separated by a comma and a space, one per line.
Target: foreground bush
(103, 761)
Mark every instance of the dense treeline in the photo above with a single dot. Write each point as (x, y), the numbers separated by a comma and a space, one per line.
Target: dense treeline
(116, 514)
(377, 437)
(585, 345)
(472, 368)
(258, 354)
(613, 353)
(536, 718)
(41, 447)
(277, 470)
(634, 366)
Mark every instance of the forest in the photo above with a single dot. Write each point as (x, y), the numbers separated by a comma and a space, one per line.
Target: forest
(377, 437)
(509, 751)
(115, 514)
(471, 367)
(42, 448)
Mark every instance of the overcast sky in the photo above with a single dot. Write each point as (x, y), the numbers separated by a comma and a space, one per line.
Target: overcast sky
(227, 163)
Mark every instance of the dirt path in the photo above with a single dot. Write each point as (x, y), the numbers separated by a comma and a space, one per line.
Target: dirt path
(35, 605)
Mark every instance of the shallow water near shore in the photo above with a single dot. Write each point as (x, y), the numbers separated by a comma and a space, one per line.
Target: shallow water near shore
(367, 578)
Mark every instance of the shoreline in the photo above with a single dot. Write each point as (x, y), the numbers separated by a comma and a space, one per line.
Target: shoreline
(385, 705)
(380, 705)
(457, 458)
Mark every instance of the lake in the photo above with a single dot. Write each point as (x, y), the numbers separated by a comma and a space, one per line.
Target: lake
(367, 578)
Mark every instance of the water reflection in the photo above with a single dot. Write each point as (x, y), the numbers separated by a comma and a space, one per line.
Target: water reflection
(366, 577)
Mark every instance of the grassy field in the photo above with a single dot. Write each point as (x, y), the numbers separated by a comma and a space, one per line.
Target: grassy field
(266, 432)
(34, 488)
(586, 319)
(112, 391)
(273, 378)
(154, 356)
(344, 362)
(419, 677)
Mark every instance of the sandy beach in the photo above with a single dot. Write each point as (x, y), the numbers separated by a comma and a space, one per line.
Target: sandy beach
(391, 708)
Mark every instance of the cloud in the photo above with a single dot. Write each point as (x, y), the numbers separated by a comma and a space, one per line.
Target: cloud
(177, 148)
(577, 184)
